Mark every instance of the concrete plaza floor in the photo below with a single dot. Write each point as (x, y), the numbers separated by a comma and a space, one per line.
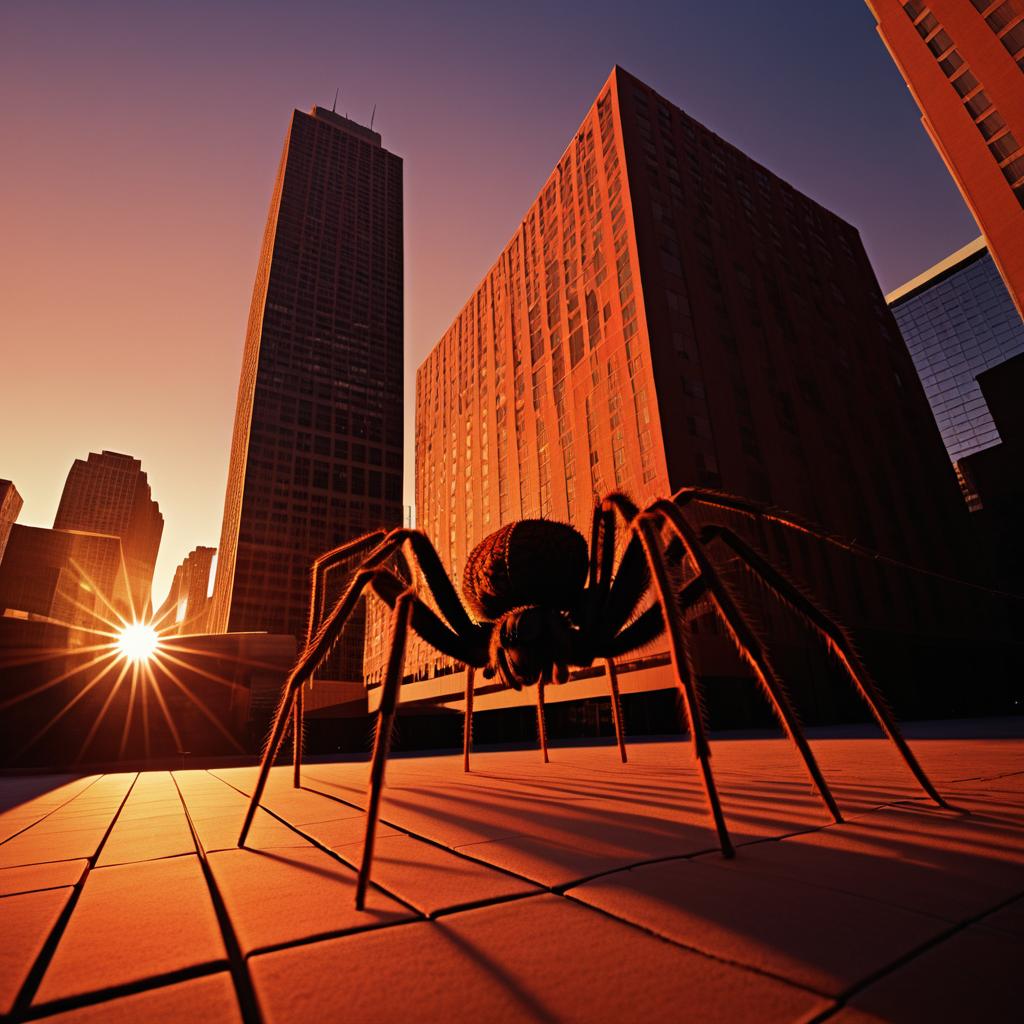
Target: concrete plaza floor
(582, 890)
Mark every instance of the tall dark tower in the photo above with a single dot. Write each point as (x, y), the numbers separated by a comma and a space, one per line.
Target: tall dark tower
(316, 456)
(110, 493)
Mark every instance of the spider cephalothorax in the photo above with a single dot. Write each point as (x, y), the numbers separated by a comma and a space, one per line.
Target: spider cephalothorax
(528, 579)
(545, 601)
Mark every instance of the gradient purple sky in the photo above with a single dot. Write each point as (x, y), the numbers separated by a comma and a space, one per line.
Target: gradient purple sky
(141, 142)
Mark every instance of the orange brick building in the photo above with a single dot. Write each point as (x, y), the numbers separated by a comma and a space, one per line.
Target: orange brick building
(963, 61)
(670, 313)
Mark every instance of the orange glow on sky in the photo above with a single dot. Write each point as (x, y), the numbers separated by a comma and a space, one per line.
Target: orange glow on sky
(141, 143)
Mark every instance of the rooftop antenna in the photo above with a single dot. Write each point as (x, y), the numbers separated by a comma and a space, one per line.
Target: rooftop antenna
(334, 105)
(372, 116)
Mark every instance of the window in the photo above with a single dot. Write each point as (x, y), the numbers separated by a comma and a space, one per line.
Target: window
(1004, 14)
(1006, 145)
(1014, 39)
(926, 25)
(965, 83)
(951, 62)
(940, 42)
(1013, 171)
(991, 124)
(978, 103)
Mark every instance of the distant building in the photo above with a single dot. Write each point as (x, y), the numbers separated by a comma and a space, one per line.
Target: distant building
(958, 319)
(962, 62)
(671, 313)
(109, 493)
(994, 477)
(10, 506)
(67, 576)
(187, 606)
(316, 455)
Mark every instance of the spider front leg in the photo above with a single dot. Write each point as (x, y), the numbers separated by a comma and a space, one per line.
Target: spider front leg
(838, 642)
(646, 527)
(749, 647)
(613, 684)
(322, 565)
(385, 724)
(467, 720)
(314, 652)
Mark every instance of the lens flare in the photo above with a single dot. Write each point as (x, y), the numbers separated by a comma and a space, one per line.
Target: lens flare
(138, 642)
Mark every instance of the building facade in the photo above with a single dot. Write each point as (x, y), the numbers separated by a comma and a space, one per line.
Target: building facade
(958, 320)
(10, 506)
(75, 579)
(316, 454)
(963, 61)
(186, 609)
(109, 493)
(671, 313)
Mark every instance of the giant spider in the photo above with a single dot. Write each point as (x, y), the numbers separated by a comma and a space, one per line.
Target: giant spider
(543, 602)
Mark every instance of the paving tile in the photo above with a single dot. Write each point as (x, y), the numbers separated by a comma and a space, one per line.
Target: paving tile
(279, 896)
(41, 876)
(972, 976)
(72, 831)
(202, 999)
(432, 879)
(538, 959)
(1009, 918)
(820, 938)
(217, 812)
(25, 924)
(151, 824)
(134, 921)
(931, 862)
(26, 800)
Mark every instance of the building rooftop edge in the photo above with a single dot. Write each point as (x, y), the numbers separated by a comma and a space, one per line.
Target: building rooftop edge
(346, 124)
(941, 269)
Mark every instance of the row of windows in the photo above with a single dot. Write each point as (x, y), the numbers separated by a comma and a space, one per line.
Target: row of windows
(1001, 142)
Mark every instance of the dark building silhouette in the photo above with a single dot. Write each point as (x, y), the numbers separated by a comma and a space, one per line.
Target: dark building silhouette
(68, 576)
(958, 319)
(995, 476)
(186, 609)
(316, 455)
(10, 506)
(671, 313)
(109, 493)
(963, 62)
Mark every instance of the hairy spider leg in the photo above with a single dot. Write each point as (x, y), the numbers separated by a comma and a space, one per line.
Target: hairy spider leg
(384, 544)
(686, 679)
(748, 646)
(613, 684)
(542, 732)
(321, 566)
(385, 724)
(388, 587)
(467, 720)
(760, 510)
(836, 639)
(297, 737)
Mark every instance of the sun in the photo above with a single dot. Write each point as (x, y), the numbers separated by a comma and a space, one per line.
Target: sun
(138, 642)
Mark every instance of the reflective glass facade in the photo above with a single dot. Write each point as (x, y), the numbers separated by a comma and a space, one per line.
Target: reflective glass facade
(958, 322)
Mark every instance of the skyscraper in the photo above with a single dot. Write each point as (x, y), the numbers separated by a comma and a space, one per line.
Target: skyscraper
(10, 506)
(186, 609)
(316, 455)
(958, 319)
(964, 65)
(74, 578)
(109, 493)
(670, 313)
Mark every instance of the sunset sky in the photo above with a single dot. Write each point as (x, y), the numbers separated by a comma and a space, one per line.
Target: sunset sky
(141, 140)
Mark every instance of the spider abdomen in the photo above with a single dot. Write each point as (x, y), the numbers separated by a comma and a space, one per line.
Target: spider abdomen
(532, 562)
